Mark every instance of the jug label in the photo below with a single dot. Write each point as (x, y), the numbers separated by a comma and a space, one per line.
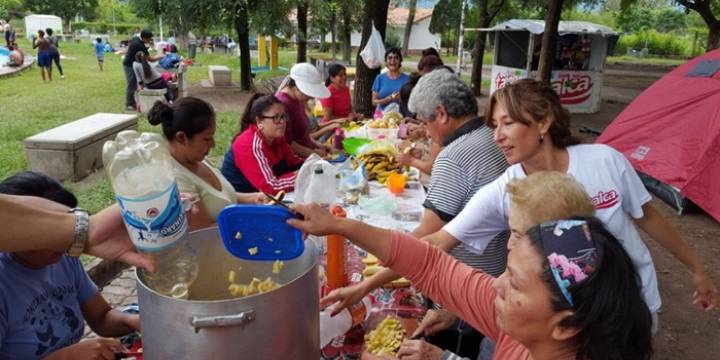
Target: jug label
(154, 222)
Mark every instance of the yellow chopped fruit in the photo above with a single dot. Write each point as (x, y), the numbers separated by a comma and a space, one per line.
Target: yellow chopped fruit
(253, 250)
(277, 266)
(386, 338)
(238, 235)
(256, 286)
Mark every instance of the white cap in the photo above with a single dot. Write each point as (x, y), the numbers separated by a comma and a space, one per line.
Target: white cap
(309, 81)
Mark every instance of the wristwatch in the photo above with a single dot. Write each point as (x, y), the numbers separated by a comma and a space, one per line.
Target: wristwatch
(82, 224)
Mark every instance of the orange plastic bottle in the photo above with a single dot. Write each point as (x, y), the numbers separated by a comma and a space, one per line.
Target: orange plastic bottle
(336, 277)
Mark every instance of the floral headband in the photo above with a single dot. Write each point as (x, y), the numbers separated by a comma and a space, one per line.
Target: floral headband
(570, 251)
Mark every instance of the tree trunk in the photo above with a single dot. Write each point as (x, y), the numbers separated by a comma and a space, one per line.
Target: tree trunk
(549, 40)
(302, 10)
(408, 26)
(714, 37)
(705, 11)
(346, 35)
(375, 12)
(243, 30)
(479, 48)
(332, 37)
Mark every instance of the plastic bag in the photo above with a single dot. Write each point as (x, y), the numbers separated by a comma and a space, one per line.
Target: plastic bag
(324, 185)
(353, 180)
(373, 54)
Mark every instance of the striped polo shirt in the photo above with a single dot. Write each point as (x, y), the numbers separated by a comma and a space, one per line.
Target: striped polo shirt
(469, 160)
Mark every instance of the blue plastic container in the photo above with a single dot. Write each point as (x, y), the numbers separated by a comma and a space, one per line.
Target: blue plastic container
(259, 232)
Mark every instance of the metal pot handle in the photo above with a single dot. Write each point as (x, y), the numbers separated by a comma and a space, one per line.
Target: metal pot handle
(199, 322)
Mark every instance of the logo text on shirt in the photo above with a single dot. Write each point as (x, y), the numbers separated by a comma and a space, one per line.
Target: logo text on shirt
(605, 199)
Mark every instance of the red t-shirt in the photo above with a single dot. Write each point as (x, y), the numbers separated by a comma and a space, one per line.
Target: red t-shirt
(339, 101)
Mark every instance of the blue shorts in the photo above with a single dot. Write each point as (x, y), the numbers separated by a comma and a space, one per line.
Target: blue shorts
(43, 59)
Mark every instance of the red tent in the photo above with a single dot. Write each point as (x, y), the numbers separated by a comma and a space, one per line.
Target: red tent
(671, 132)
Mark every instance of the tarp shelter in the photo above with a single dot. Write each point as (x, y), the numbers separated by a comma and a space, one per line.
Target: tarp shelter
(577, 70)
(33, 23)
(671, 133)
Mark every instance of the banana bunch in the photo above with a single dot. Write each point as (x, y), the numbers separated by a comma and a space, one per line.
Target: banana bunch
(378, 165)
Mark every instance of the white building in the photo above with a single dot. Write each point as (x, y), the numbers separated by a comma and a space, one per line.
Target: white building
(420, 37)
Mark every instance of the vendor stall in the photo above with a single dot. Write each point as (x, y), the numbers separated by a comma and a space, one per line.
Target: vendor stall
(579, 59)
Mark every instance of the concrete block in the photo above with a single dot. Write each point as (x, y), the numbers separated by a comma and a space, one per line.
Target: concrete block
(74, 150)
(220, 75)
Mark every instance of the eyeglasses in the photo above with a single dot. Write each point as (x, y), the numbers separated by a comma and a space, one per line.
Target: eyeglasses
(277, 119)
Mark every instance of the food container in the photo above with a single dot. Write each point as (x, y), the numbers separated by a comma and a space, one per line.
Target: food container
(280, 324)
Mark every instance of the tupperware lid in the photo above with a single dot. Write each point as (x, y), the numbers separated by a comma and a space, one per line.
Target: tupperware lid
(259, 232)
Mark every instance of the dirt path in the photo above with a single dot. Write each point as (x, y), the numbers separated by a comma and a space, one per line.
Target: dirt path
(685, 332)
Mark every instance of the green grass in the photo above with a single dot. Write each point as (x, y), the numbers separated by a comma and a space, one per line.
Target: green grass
(645, 60)
(30, 106)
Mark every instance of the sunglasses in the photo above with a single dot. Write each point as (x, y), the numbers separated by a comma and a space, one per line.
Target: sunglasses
(277, 119)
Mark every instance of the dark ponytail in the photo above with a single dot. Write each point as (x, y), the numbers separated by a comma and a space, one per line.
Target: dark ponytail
(258, 104)
(189, 115)
(333, 70)
(140, 57)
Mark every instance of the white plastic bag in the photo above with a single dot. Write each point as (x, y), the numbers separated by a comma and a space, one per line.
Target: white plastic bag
(373, 54)
(311, 187)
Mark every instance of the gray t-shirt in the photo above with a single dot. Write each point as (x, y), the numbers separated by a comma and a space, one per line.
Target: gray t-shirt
(140, 74)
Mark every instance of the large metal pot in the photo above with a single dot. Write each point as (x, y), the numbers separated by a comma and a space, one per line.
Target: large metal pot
(280, 324)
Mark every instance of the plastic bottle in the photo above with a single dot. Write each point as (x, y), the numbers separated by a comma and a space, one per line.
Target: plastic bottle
(140, 170)
(332, 327)
(336, 276)
(338, 139)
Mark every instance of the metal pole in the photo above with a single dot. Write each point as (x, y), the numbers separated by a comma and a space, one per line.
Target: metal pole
(112, 7)
(160, 19)
(460, 39)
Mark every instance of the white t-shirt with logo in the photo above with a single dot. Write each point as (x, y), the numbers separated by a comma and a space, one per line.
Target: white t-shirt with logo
(616, 191)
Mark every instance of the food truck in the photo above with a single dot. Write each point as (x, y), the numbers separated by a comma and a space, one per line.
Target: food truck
(578, 65)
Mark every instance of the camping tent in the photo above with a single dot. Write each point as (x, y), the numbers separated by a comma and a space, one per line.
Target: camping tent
(33, 23)
(671, 133)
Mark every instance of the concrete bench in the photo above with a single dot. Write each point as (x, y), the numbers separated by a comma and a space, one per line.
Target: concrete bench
(220, 75)
(74, 150)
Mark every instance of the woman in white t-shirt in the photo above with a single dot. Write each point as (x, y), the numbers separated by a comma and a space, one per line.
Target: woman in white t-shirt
(533, 131)
(189, 126)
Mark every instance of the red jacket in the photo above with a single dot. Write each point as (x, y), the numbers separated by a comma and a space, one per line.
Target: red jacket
(267, 168)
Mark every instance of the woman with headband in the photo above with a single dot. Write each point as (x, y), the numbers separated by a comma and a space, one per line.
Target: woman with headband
(570, 291)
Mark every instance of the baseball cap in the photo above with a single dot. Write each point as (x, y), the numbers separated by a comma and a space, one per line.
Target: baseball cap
(146, 34)
(309, 81)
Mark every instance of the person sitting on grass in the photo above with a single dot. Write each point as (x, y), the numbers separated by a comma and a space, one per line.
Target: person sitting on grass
(46, 296)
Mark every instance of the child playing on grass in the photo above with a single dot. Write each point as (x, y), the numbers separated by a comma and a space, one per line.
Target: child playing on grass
(100, 52)
(46, 296)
